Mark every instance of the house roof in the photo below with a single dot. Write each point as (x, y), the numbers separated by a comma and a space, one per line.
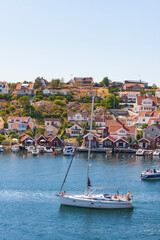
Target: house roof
(123, 139)
(52, 119)
(26, 136)
(112, 138)
(29, 125)
(19, 118)
(156, 125)
(77, 125)
(14, 101)
(141, 98)
(3, 100)
(38, 136)
(149, 139)
(53, 137)
(91, 134)
(113, 123)
(145, 113)
(84, 114)
(4, 84)
(134, 84)
(28, 86)
(100, 119)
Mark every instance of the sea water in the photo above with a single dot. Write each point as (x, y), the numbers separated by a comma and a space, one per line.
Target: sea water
(29, 208)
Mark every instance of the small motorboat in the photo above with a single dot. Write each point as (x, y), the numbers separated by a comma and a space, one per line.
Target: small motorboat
(140, 152)
(68, 150)
(41, 149)
(48, 150)
(1, 148)
(30, 149)
(15, 148)
(35, 151)
(156, 152)
(150, 174)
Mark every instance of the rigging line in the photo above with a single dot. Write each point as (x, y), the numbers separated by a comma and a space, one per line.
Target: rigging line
(67, 172)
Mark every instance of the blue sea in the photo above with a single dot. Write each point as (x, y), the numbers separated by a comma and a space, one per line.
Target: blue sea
(29, 208)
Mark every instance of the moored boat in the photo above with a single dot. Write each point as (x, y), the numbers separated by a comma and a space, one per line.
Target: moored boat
(140, 152)
(1, 148)
(35, 151)
(68, 150)
(15, 148)
(156, 152)
(41, 149)
(48, 150)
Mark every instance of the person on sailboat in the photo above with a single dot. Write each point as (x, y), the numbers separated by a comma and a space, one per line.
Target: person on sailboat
(128, 195)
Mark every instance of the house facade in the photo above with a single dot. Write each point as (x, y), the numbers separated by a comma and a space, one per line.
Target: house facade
(94, 140)
(146, 143)
(75, 131)
(3, 103)
(152, 131)
(78, 117)
(83, 81)
(52, 121)
(55, 142)
(20, 124)
(1, 123)
(144, 103)
(4, 88)
(27, 140)
(24, 89)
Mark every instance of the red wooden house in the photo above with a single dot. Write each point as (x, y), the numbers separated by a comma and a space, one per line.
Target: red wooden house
(55, 141)
(94, 140)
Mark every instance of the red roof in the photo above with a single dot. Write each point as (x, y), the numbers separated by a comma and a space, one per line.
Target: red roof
(141, 98)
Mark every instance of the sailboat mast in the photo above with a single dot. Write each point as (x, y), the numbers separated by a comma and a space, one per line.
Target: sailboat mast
(89, 149)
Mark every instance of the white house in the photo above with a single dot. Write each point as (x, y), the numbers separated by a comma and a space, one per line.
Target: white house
(78, 117)
(75, 130)
(157, 93)
(145, 103)
(4, 87)
(20, 124)
(23, 89)
(100, 121)
(52, 121)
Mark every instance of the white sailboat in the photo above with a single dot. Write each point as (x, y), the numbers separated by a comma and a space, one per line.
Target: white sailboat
(90, 200)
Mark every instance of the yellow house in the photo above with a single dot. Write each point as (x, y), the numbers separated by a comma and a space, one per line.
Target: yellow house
(102, 92)
(1, 123)
(14, 103)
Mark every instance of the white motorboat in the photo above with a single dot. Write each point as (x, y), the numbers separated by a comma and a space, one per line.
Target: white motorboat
(35, 151)
(15, 148)
(90, 200)
(156, 152)
(150, 174)
(68, 150)
(48, 150)
(140, 152)
(41, 149)
(1, 148)
(30, 149)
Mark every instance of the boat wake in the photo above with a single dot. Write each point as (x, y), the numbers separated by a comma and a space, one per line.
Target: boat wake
(11, 195)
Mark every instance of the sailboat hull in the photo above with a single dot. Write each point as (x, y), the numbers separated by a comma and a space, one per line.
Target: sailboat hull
(86, 202)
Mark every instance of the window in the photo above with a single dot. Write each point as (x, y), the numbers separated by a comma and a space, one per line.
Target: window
(152, 129)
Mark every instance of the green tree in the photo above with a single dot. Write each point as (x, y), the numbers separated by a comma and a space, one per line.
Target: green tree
(111, 101)
(105, 82)
(154, 86)
(38, 83)
(2, 138)
(24, 101)
(144, 126)
(55, 83)
(113, 88)
(40, 130)
(30, 132)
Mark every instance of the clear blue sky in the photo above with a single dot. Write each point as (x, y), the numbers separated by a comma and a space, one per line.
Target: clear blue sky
(93, 38)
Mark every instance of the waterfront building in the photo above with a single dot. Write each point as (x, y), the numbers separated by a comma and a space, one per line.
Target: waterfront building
(146, 142)
(94, 140)
(20, 124)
